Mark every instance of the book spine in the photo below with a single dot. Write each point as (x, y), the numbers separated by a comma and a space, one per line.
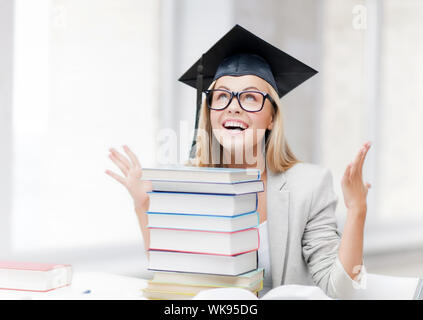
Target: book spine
(200, 217)
(201, 193)
(207, 231)
(204, 215)
(29, 290)
(202, 273)
(206, 253)
(201, 182)
(201, 214)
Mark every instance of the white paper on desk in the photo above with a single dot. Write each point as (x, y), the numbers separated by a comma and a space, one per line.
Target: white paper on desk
(381, 287)
(286, 292)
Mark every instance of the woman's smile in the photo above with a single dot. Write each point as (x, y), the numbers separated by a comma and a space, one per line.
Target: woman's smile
(234, 126)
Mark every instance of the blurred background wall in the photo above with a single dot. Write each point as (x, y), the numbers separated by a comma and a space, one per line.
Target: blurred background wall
(78, 77)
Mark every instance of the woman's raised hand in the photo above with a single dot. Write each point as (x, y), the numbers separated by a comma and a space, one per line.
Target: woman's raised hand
(353, 188)
(132, 171)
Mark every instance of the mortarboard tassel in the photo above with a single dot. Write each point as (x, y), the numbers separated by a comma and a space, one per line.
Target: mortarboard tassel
(199, 94)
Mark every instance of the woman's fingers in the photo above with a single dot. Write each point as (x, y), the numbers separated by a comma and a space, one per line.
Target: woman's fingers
(132, 156)
(121, 158)
(119, 163)
(116, 176)
(357, 169)
(366, 149)
(363, 152)
(355, 164)
(122, 162)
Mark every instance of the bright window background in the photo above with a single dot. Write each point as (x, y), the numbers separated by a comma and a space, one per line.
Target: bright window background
(372, 77)
(85, 80)
(401, 150)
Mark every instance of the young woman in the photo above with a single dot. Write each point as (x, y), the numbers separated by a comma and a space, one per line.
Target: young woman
(300, 243)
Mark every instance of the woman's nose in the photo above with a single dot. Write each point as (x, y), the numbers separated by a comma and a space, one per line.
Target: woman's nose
(234, 105)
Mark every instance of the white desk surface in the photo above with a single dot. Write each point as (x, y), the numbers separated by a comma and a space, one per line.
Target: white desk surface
(88, 286)
(108, 286)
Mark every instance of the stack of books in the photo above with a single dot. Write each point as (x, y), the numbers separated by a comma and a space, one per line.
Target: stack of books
(203, 230)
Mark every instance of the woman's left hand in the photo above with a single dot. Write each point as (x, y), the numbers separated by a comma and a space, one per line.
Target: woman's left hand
(353, 188)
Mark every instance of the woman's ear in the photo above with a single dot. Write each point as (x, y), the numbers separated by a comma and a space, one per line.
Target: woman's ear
(270, 126)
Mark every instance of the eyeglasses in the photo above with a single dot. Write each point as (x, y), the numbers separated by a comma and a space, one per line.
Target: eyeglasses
(250, 100)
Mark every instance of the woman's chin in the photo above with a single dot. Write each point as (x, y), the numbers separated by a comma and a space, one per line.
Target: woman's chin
(234, 143)
(234, 135)
(231, 135)
(243, 142)
(240, 151)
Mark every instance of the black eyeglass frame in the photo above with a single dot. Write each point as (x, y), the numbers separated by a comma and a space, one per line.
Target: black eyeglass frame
(237, 94)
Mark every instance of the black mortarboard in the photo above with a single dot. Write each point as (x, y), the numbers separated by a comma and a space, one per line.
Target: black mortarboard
(240, 52)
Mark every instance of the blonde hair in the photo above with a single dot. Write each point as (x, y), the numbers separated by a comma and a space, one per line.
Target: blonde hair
(279, 156)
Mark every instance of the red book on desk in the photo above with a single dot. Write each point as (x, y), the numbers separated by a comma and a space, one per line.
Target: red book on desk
(34, 276)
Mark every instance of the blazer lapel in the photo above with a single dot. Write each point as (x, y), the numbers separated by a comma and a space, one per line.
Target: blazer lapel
(278, 222)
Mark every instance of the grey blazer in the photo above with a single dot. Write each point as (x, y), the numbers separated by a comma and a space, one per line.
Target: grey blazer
(302, 227)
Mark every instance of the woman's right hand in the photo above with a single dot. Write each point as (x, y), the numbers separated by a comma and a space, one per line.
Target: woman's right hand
(132, 171)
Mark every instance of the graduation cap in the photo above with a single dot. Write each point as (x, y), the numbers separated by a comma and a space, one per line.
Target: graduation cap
(240, 52)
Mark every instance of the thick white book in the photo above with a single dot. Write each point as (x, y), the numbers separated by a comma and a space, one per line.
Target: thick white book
(202, 263)
(200, 174)
(209, 242)
(202, 203)
(208, 187)
(31, 276)
(203, 222)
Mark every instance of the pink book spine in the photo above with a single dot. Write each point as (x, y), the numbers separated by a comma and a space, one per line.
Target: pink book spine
(217, 254)
(26, 290)
(32, 266)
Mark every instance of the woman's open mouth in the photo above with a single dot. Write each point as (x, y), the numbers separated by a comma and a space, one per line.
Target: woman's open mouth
(234, 127)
